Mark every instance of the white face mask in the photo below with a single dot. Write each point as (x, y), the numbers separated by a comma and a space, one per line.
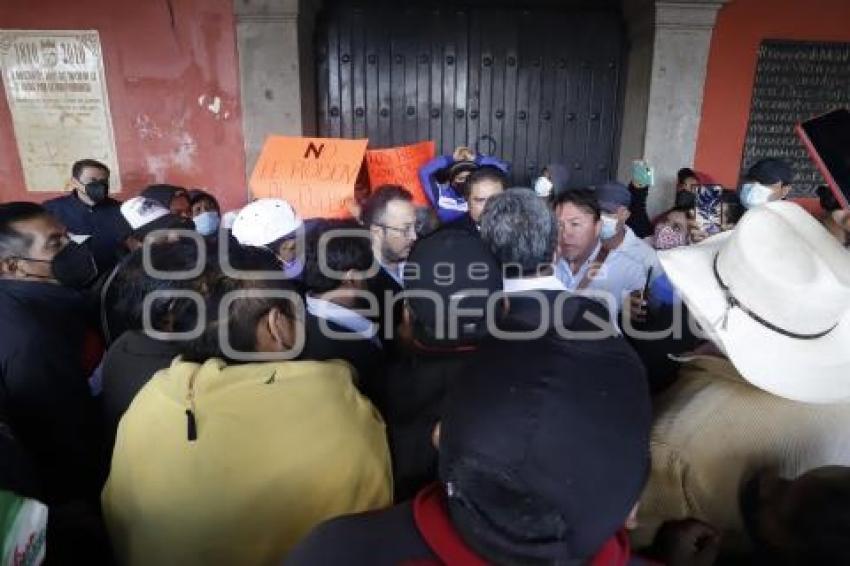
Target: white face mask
(609, 227)
(543, 187)
(755, 194)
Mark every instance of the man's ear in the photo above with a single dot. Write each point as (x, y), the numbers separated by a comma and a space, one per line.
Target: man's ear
(72, 184)
(624, 214)
(281, 329)
(265, 341)
(375, 232)
(274, 332)
(784, 191)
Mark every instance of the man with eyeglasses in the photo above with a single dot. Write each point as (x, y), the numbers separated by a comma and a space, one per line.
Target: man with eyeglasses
(390, 216)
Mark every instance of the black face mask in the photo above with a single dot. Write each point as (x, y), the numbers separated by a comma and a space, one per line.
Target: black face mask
(460, 187)
(72, 267)
(97, 191)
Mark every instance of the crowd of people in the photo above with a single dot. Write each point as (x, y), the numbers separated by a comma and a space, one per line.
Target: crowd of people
(511, 375)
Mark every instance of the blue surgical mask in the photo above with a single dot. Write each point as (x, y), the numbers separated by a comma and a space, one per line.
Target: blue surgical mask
(755, 194)
(207, 223)
(609, 227)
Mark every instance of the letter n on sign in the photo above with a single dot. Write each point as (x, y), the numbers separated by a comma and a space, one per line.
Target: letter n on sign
(315, 151)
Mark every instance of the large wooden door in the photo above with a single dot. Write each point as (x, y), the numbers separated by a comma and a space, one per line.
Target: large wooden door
(532, 86)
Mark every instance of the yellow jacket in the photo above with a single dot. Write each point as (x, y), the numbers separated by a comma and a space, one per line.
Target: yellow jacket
(713, 431)
(280, 448)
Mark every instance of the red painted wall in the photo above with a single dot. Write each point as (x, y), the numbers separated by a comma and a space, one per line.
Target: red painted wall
(161, 57)
(741, 26)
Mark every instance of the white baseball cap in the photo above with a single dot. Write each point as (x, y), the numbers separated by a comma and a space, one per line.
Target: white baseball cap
(264, 221)
(141, 211)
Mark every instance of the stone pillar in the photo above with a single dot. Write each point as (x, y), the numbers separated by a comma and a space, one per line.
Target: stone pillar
(274, 39)
(664, 87)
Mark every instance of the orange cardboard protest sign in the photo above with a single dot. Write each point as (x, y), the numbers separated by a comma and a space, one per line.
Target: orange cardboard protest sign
(400, 166)
(315, 175)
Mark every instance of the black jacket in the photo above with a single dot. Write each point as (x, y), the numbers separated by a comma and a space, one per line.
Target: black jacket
(639, 219)
(367, 356)
(379, 538)
(43, 386)
(103, 222)
(127, 366)
(412, 404)
(577, 314)
(17, 473)
(383, 287)
(416, 532)
(464, 223)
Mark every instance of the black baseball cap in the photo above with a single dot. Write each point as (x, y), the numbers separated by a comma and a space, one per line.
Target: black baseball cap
(770, 171)
(544, 447)
(613, 195)
(448, 272)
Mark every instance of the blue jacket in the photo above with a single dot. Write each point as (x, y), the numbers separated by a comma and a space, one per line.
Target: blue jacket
(449, 205)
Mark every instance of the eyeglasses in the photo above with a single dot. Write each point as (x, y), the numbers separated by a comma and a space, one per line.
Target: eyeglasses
(409, 230)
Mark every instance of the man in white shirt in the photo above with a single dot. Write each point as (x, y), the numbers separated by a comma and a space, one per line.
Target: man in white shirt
(614, 201)
(585, 264)
(522, 233)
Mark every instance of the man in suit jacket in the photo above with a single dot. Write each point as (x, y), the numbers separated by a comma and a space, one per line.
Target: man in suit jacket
(390, 217)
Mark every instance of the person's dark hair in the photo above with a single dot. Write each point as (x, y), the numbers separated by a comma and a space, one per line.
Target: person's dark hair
(828, 202)
(197, 195)
(684, 174)
(245, 312)
(339, 253)
(12, 242)
(484, 173)
(427, 221)
(376, 205)
(446, 301)
(77, 168)
(164, 194)
(274, 246)
(123, 300)
(520, 230)
(584, 199)
(770, 171)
